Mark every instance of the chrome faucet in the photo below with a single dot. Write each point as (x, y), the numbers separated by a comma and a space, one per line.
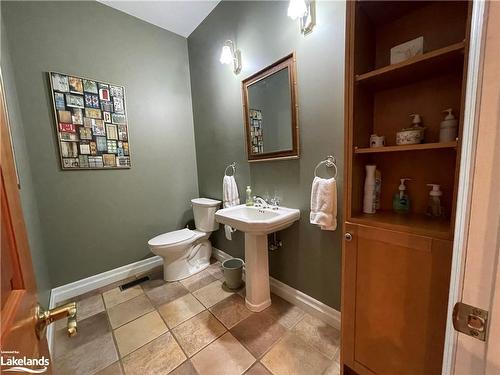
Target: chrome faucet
(259, 201)
(275, 202)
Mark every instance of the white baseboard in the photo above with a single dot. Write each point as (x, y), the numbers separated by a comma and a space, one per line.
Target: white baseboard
(296, 297)
(307, 303)
(220, 255)
(100, 280)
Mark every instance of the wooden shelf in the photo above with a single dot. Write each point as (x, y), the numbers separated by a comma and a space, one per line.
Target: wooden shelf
(413, 223)
(420, 146)
(416, 68)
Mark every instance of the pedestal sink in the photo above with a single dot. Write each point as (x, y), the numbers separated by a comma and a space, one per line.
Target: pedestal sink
(257, 223)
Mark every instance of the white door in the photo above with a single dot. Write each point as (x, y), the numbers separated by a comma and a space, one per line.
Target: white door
(477, 276)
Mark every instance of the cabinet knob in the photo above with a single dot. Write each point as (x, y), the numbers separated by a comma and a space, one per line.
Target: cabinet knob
(348, 236)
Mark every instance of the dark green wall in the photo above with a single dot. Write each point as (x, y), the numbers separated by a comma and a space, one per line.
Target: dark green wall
(310, 259)
(27, 192)
(93, 221)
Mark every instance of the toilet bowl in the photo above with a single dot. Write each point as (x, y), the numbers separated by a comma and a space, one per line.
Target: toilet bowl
(185, 251)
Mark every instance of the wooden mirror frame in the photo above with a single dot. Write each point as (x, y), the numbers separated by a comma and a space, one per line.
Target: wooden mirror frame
(283, 63)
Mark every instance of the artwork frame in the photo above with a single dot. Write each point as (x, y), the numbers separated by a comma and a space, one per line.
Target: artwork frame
(90, 86)
(81, 124)
(75, 85)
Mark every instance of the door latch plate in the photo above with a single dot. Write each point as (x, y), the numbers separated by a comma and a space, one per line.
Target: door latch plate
(470, 320)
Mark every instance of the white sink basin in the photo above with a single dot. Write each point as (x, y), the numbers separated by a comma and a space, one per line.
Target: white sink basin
(257, 220)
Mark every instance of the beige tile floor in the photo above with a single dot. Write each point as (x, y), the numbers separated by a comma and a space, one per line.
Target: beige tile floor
(192, 327)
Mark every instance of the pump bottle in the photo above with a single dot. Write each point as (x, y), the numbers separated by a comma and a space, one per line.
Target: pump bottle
(434, 207)
(401, 200)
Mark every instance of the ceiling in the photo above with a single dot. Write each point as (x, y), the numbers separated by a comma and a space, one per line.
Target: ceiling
(180, 17)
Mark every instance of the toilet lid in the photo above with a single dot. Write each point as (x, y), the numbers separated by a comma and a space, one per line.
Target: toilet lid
(171, 238)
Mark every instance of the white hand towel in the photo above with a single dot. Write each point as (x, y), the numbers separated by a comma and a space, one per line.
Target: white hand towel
(227, 231)
(230, 198)
(324, 203)
(230, 195)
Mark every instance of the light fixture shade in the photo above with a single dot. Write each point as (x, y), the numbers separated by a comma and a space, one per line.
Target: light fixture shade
(297, 9)
(226, 56)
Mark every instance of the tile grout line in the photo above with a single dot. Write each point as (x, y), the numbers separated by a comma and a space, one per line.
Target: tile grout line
(288, 331)
(309, 345)
(120, 358)
(115, 343)
(170, 330)
(133, 320)
(142, 346)
(130, 321)
(227, 330)
(253, 365)
(234, 325)
(203, 347)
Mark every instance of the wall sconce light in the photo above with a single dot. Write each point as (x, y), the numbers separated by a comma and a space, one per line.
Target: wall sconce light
(305, 11)
(230, 55)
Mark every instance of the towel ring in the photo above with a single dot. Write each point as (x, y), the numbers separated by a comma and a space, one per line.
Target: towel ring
(233, 166)
(329, 162)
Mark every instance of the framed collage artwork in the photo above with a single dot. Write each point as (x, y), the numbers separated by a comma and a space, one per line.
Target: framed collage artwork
(91, 123)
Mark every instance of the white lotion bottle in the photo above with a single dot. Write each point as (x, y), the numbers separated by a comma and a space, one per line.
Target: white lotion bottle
(449, 127)
(369, 197)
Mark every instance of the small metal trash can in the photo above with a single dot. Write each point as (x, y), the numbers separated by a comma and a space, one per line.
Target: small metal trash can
(233, 269)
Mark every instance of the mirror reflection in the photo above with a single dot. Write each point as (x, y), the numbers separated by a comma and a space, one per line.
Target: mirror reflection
(270, 112)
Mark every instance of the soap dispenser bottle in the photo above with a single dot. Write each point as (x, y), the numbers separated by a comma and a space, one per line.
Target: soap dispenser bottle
(401, 200)
(449, 127)
(249, 198)
(434, 207)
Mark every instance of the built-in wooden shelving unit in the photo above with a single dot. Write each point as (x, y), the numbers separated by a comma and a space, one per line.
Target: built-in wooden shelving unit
(417, 147)
(416, 68)
(420, 224)
(396, 267)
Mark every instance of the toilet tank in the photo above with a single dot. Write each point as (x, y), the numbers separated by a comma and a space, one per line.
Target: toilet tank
(204, 214)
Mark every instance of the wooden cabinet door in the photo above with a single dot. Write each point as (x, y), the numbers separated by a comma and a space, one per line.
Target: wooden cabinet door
(395, 288)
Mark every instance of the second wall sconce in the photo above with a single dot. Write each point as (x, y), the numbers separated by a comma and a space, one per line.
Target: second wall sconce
(230, 55)
(305, 11)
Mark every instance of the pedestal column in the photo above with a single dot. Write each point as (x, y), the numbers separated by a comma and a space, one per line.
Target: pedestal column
(258, 294)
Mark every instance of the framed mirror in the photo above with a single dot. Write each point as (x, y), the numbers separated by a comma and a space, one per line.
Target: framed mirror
(270, 109)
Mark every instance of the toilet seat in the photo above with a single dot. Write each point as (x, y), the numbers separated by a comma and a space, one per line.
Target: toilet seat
(174, 238)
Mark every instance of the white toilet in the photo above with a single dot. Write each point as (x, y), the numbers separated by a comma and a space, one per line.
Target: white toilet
(185, 251)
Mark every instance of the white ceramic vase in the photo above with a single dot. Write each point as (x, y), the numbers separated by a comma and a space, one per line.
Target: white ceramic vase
(368, 200)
